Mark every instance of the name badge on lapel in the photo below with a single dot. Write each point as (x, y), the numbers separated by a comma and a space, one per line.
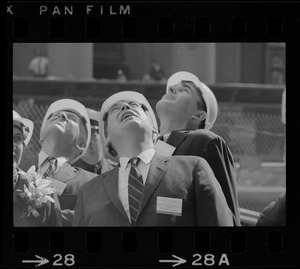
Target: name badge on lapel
(164, 149)
(169, 206)
(57, 185)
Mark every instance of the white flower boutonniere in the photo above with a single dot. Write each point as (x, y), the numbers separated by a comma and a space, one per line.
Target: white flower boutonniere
(36, 194)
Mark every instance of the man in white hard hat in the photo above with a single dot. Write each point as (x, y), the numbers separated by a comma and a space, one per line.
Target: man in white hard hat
(49, 213)
(93, 160)
(187, 112)
(64, 136)
(147, 189)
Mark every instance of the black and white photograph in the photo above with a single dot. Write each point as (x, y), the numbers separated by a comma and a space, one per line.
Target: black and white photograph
(149, 134)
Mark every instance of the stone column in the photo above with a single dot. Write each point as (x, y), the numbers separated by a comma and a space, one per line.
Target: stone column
(71, 60)
(197, 58)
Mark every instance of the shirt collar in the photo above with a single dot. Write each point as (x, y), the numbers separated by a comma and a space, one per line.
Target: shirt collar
(43, 156)
(165, 137)
(146, 156)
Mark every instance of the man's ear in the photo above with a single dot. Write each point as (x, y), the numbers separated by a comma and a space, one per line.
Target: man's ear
(80, 145)
(199, 116)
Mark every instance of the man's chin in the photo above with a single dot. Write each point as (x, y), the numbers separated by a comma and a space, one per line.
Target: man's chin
(165, 106)
(54, 131)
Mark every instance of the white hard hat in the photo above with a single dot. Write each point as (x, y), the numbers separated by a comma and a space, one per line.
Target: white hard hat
(77, 108)
(208, 95)
(94, 118)
(28, 124)
(118, 97)
(93, 114)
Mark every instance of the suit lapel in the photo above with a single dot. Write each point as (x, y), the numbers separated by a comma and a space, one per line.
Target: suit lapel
(65, 173)
(156, 172)
(34, 162)
(110, 182)
(176, 138)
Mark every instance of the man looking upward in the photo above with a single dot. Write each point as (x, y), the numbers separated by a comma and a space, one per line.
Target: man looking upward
(187, 112)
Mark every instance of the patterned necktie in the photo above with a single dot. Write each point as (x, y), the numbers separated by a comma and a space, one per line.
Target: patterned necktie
(135, 189)
(51, 168)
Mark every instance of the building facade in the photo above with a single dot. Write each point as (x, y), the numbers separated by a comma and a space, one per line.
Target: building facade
(213, 63)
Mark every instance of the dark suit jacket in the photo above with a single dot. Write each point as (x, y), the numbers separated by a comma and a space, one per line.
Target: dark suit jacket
(50, 213)
(216, 152)
(74, 178)
(187, 178)
(274, 214)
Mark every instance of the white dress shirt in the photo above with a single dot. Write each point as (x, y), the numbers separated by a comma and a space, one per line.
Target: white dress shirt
(143, 166)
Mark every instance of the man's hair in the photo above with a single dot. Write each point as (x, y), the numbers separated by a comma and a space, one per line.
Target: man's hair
(201, 105)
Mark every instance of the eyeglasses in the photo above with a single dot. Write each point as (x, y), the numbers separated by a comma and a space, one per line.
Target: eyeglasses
(71, 115)
(117, 106)
(24, 129)
(18, 140)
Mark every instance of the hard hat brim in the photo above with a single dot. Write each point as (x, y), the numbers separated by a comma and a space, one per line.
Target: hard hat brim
(186, 76)
(93, 114)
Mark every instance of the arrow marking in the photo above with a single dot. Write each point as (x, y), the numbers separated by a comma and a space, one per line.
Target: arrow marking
(40, 261)
(176, 262)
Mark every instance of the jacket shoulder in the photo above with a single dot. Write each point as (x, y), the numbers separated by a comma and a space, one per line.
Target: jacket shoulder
(178, 160)
(203, 133)
(206, 137)
(85, 174)
(92, 183)
(25, 165)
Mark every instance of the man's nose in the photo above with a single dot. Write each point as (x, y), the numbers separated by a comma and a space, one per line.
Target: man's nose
(14, 146)
(63, 116)
(172, 89)
(125, 106)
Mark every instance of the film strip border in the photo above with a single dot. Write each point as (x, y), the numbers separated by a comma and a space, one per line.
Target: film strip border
(153, 21)
(156, 22)
(150, 247)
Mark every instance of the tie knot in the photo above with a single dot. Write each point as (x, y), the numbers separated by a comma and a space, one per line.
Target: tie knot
(134, 161)
(52, 160)
(52, 163)
(161, 137)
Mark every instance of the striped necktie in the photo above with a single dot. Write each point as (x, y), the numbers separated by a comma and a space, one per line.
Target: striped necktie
(135, 189)
(51, 168)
